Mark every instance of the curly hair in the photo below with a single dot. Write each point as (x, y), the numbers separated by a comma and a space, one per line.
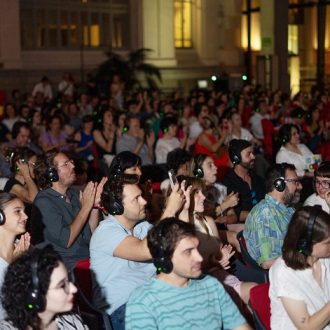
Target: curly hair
(164, 237)
(113, 189)
(40, 169)
(18, 282)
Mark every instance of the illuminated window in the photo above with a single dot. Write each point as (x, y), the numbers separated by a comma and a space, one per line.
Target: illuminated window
(71, 24)
(293, 39)
(255, 25)
(182, 23)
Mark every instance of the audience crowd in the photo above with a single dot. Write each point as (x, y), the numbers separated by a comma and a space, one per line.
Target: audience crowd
(84, 176)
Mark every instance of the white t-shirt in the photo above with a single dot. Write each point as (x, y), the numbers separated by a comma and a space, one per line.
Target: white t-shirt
(317, 200)
(256, 126)
(3, 268)
(163, 147)
(284, 155)
(245, 135)
(298, 285)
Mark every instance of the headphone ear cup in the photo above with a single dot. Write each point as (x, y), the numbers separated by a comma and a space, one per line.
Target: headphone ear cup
(303, 247)
(2, 218)
(163, 265)
(198, 172)
(35, 301)
(279, 184)
(51, 174)
(235, 159)
(116, 207)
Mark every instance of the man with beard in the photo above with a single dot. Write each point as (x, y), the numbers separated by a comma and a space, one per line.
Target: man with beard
(66, 218)
(266, 225)
(180, 297)
(242, 179)
(120, 258)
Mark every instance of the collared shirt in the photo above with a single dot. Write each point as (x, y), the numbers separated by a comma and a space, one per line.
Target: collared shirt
(248, 197)
(265, 228)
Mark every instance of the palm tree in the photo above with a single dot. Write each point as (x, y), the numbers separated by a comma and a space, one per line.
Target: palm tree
(129, 69)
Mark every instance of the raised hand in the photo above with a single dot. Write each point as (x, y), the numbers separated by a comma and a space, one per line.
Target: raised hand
(226, 253)
(87, 196)
(21, 245)
(99, 190)
(174, 202)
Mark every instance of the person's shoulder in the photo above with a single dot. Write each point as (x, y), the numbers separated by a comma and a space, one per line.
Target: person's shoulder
(145, 292)
(70, 321)
(6, 325)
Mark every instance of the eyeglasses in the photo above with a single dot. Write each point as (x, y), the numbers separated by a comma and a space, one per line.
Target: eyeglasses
(296, 181)
(323, 184)
(66, 163)
(64, 285)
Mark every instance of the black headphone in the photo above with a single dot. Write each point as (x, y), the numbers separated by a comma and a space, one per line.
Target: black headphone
(2, 217)
(235, 158)
(51, 173)
(279, 183)
(115, 206)
(198, 170)
(35, 300)
(305, 244)
(162, 263)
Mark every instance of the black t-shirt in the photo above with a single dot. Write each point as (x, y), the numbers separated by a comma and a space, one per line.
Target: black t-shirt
(247, 197)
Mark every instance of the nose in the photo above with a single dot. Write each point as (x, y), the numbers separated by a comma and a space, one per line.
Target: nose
(299, 185)
(73, 288)
(253, 157)
(198, 257)
(24, 216)
(143, 201)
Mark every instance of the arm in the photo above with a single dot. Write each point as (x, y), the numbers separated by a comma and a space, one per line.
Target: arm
(106, 145)
(205, 142)
(94, 217)
(28, 192)
(297, 311)
(87, 201)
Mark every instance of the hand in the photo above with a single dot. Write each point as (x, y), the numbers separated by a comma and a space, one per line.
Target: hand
(186, 193)
(140, 134)
(174, 201)
(230, 201)
(151, 139)
(226, 253)
(89, 144)
(22, 245)
(87, 196)
(23, 168)
(99, 190)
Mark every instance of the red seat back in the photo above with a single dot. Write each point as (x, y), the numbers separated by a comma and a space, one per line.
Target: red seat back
(83, 277)
(260, 303)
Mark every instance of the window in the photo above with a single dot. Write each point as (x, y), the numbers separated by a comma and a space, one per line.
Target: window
(182, 23)
(293, 39)
(70, 24)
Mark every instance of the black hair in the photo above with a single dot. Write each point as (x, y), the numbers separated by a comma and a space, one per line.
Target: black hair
(18, 282)
(17, 127)
(298, 230)
(168, 121)
(164, 237)
(275, 172)
(123, 161)
(284, 133)
(22, 153)
(177, 158)
(323, 170)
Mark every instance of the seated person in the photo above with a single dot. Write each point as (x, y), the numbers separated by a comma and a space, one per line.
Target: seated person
(37, 293)
(299, 279)
(179, 161)
(321, 186)
(180, 298)
(242, 179)
(118, 248)
(266, 225)
(66, 218)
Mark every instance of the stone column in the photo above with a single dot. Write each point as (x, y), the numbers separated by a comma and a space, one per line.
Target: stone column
(158, 33)
(10, 41)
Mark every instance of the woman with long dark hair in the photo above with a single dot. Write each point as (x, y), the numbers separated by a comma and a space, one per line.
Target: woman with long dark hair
(300, 279)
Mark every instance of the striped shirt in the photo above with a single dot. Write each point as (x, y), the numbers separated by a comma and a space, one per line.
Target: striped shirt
(202, 304)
